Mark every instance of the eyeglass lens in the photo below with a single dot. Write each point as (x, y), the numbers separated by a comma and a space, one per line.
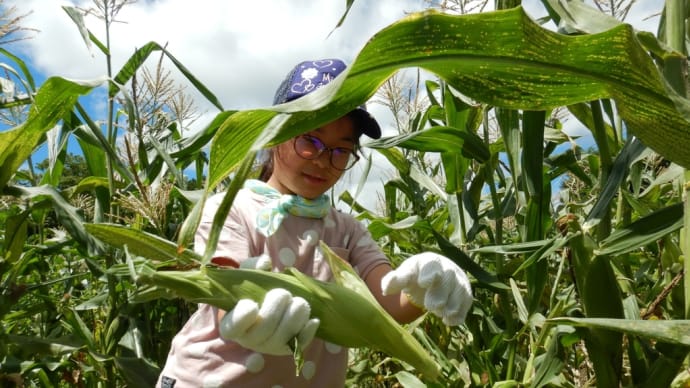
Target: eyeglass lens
(310, 147)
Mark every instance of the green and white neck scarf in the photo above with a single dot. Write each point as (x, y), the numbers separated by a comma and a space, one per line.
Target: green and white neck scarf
(269, 218)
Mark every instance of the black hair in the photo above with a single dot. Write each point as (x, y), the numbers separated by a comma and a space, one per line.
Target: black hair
(267, 166)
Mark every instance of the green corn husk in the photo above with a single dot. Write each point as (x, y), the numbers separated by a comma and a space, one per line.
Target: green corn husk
(349, 314)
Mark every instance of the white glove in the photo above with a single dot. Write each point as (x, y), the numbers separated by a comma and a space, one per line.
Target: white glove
(434, 282)
(271, 327)
(261, 262)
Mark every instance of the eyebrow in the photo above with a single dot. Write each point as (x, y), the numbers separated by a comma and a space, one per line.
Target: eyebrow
(351, 139)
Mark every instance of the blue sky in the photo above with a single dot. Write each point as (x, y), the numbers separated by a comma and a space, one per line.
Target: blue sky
(241, 50)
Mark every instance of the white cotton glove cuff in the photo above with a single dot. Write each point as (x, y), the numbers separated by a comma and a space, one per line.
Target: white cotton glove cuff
(434, 282)
(271, 327)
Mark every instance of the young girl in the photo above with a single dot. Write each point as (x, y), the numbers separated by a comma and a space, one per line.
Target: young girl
(277, 223)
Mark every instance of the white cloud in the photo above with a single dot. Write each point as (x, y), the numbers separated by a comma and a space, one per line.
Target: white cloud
(240, 50)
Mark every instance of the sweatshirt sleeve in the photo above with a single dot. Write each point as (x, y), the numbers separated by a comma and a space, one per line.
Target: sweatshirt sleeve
(365, 253)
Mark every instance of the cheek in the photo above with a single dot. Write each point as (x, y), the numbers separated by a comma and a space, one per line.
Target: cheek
(286, 159)
(335, 174)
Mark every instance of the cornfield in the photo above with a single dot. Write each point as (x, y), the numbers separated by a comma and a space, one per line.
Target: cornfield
(576, 254)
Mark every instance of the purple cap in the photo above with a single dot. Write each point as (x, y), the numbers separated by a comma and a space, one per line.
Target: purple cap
(308, 76)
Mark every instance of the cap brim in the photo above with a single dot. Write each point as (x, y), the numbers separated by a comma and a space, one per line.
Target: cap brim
(366, 123)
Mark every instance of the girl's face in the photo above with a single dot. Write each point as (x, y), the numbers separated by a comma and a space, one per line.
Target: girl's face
(295, 175)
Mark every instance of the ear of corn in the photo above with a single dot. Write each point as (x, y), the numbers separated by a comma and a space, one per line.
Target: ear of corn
(349, 314)
(347, 318)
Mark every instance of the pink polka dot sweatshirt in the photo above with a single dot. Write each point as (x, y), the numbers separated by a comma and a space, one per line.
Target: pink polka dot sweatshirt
(200, 358)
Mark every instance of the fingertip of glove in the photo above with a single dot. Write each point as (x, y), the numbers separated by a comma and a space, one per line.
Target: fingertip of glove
(456, 318)
(392, 283)
(308, 332)
(299, 309)
(279, 295)
(386, 282)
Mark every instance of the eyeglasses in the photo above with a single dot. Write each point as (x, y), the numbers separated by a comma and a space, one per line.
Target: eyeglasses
(310, 148)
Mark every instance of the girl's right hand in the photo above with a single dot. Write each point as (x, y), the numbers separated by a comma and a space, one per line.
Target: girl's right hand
(271, 327)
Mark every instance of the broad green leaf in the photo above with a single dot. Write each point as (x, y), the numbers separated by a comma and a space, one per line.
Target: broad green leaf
(567, 161)
(15, 236)
(408, 380)
(53, 101)
(552, 363)
(515, 248)
(427, 182)
(643, 231)
(546, 250)
(576, 16)
(362, 212)
(601, 298)
(438, 139)
(223, 209)
(139, 58)
(454, 167)
(141, 243)
(95, 157)
(378, 228)
(88, 184)
(523, 314)
(465, 262)
(79, 328)
(78, 18)
(397, 159)
(47, 346)
(673, 331)
(501, 58)
(167, 158)
(28, 79)
(67, 214)
(191, 223)
(137, 372)
(509, 124)
(200, 139)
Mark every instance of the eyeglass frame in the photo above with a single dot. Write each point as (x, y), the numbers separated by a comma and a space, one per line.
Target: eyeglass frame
(320, 151)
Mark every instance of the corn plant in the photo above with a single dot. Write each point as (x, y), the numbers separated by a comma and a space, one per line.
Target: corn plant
(577, 255)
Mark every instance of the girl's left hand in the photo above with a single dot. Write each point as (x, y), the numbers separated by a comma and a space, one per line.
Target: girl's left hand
(434, 282)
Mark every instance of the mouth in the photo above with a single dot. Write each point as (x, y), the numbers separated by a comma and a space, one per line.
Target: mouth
(316, 179)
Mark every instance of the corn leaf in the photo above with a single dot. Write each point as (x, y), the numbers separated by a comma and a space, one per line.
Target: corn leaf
(141, 243)
(501, 58)
(643, 231)
(672, 331)
(56, 98)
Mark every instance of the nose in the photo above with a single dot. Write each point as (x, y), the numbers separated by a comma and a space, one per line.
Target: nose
(323, 160)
